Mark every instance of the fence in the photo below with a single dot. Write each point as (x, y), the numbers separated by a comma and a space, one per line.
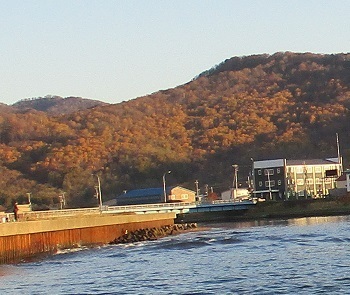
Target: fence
(159, 207)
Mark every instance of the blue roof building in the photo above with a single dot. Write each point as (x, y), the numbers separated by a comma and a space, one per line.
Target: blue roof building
(155, 195)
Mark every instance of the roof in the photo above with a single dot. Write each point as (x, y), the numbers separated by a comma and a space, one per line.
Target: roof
(328, 161)
(145, 192)
(269, 163)
(266, 191)
(341, 177)
(149, 192)
(182, 188)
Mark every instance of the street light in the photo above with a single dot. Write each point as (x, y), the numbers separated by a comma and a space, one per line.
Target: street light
(99, 192)
(29, 201)
(29, 196)
(164, 188)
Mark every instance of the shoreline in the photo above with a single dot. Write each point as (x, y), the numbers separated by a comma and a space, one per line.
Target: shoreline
(46, 236)
(275, 210)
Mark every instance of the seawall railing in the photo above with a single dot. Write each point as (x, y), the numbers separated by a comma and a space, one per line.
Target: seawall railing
(137, 209)
(47, 231)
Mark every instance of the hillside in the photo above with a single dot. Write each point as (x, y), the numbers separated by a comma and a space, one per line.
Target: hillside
(265, 106)
(5, 108)
(56, 105)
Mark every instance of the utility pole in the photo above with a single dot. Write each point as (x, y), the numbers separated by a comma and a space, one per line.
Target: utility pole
(98, 192)
(268, 178)
(339, 156)
(206, 190)
(252, 181)
(197, 190)
(164, 185)
(235, 181)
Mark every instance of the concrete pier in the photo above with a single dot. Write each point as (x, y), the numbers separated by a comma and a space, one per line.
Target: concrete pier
(21, 240)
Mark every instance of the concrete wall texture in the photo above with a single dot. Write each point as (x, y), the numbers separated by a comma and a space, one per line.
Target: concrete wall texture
(21, 240)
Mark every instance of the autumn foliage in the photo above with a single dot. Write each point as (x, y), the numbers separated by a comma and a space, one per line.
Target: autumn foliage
(265, 106)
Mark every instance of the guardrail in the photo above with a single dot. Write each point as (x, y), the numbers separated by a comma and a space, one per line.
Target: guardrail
(150, 206)
(60, 213)
(35, 215)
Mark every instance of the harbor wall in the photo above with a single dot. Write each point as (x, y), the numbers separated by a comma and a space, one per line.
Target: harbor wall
(210, 216)
(22, 240)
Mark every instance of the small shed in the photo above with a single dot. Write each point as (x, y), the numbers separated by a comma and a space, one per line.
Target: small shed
(341, 181)
(24, 208)
(239, 194)
(156, 195)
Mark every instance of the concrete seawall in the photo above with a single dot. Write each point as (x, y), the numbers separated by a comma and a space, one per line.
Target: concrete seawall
(21, 240)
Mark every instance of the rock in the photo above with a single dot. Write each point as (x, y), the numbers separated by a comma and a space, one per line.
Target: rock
(150, 234)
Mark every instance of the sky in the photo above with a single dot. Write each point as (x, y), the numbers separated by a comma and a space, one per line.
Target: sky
(118, 50)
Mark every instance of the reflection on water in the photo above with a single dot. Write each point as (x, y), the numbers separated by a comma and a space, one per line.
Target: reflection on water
(301, 256)
(8, 270)
(317, 220)
(303, 221)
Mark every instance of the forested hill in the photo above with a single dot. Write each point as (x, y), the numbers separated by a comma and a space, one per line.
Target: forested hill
(56, 105)
(264, 106)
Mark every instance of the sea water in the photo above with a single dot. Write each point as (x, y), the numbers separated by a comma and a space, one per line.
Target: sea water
(296, 256)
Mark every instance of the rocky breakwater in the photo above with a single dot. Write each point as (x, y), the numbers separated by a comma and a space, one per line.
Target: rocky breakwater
(149, 234)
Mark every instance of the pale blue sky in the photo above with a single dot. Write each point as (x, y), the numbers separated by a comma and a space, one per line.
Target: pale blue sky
(119, 50)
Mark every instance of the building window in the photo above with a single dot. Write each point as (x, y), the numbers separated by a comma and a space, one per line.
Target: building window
(260, 183)
(318, 169)
(278, 170)
(184, 196)
(300, 170)
(272, 183)
(269, 172)
(279, 182)
(259, 172)
(310, 181)
(300, 181)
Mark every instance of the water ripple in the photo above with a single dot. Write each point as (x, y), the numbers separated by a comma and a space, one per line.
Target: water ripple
(308, 256)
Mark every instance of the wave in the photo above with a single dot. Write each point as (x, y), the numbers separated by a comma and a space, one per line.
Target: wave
(70, 250)
(198, 241)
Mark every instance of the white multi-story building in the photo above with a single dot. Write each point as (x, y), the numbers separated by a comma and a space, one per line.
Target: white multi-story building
(312, 178)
